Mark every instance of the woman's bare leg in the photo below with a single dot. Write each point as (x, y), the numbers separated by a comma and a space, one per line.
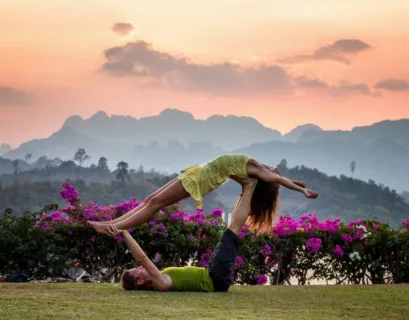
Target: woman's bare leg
(141, 206)
(172, 194)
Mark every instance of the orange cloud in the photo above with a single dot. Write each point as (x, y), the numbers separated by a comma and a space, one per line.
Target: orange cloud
(338, 51)
(123, 28)
(14, 97)
(343, 89)
(393, 85)
(139, 59)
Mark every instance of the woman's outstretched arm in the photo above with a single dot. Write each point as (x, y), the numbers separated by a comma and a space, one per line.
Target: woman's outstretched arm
(256, 170)
(277, 171)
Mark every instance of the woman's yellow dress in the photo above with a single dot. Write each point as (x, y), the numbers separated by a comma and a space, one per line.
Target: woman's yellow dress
(200, 180)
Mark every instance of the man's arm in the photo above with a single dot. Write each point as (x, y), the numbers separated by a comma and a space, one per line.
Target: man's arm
(242, 210)
(158, 280)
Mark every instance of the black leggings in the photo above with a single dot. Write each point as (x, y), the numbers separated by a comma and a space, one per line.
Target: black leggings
(222, 261)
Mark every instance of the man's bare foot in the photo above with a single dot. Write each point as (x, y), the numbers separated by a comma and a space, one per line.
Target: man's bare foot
(99, 227)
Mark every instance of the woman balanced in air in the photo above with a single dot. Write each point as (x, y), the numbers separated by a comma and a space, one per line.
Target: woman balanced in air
(199, 180)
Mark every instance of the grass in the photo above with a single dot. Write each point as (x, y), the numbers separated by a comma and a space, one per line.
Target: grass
(108, 301)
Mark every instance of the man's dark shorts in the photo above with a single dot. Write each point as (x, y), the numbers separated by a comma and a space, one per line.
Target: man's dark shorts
(222, 261)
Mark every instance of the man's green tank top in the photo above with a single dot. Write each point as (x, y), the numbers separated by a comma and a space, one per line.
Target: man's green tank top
(189, 278)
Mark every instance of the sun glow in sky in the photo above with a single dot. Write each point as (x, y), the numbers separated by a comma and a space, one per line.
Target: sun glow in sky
(337, 64)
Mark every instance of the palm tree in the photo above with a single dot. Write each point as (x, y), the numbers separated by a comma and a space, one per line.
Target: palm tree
(80, 156)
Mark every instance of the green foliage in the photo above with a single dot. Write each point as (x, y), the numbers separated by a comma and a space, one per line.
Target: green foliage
(378, 255)
(26, 249)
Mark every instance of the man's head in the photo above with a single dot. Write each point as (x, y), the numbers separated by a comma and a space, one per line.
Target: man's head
(136, 279)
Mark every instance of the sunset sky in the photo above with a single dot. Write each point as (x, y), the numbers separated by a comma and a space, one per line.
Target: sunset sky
(337, 64)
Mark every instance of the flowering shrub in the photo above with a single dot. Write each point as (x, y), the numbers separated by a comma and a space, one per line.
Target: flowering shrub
(303, 249)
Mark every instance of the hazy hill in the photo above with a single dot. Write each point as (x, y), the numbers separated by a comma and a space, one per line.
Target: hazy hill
(396, 131)
(4, 148)
(295, 134)
(382, 161)
(23, 193)
(342, 197)
(174, 139)
(124, 131)
(121, 137)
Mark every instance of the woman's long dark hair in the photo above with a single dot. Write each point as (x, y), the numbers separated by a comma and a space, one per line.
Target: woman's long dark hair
(264, 206)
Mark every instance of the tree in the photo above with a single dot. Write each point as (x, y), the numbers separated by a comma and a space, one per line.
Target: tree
(103, 164)
(42, 162)
(80, 156)
(283, 164)
(28, 157)
(405, 196)
(68, 165)
(122, 172)
(352, 166)
(140, 171)
(15, 165)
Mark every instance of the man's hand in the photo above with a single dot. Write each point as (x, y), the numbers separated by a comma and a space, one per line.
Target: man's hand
(113, 231)
(310, 194)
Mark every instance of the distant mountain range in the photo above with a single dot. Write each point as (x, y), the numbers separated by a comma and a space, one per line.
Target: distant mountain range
(175, 139)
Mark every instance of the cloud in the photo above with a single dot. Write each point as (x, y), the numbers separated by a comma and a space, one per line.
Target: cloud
(357, 89)
(338, 51)
(123, 28)
(14, 97)
(341, 90)
(393, 85)
(310, 83)
(139, 59)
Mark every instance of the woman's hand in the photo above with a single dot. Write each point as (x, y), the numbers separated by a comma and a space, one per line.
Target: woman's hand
(299, 183)
(310, 194)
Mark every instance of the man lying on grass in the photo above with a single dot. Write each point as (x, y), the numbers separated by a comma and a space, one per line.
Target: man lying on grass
(216, 277)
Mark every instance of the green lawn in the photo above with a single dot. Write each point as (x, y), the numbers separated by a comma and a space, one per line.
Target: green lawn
(108, 301)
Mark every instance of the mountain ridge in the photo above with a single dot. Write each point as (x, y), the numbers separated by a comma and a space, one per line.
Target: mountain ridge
(174, 139)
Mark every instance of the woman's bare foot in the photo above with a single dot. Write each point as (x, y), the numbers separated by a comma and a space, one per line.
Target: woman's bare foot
(99, 227)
